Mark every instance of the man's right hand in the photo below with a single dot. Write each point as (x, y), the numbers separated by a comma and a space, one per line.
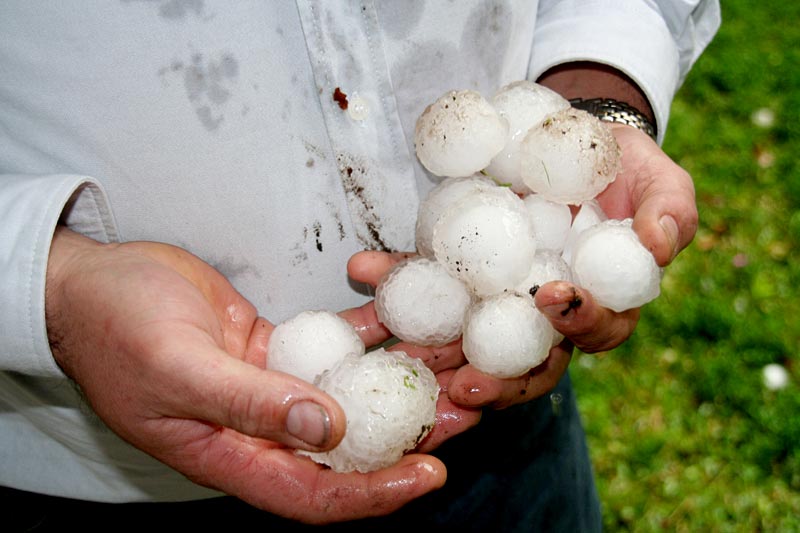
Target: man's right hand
(172, 358)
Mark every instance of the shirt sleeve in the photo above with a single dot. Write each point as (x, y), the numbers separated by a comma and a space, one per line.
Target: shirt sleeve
(654, 42)
(30, 208)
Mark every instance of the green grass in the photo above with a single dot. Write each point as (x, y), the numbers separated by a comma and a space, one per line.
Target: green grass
(683, 434)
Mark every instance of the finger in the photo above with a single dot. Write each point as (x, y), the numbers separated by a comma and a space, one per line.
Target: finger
(271, 405)
(256, 350)
(437, 358)
(451, 418)
(365, 321)
(573, 312)
(470, 387)
(280, 482)
(368, 267)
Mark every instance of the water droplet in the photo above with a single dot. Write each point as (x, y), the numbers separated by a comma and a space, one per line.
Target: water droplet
(555, 401)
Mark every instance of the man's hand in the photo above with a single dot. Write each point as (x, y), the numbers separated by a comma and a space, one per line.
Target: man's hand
(172, 358)
(659, 196)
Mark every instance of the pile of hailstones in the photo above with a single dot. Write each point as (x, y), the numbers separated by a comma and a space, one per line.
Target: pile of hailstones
(515, 209)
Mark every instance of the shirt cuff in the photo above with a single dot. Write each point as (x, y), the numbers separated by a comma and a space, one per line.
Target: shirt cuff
(629, 36)
(30, 208)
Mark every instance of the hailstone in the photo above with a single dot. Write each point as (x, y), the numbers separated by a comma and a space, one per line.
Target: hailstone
(505, 335)
(775, 376)
(310, 343)
(570, 157)
(486, 240)
(551, 221)
(547, 266)
(610, 261)
(589, 214)
(389, 400)
(523, 104)
(459, 134)
(419, 302)
(446, 193)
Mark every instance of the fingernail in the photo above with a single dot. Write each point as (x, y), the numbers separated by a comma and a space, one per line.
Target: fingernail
(309, 422)
(567, 298)
(670, 228)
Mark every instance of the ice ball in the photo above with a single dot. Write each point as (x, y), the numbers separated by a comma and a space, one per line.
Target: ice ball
(547, 266)
(524, 104)
(551, 222)
(505, 335)
(775, 376)
(486, 240)
(610, 261)
(389, 400)
(570, 157)
(589, 214)
(419, 302)
(446, 193)
(310, 343)
(459, 134)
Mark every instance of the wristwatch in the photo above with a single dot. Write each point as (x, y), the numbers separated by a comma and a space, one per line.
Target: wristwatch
(610, 110)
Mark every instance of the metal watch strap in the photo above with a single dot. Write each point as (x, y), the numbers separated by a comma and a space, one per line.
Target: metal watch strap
(610, 110)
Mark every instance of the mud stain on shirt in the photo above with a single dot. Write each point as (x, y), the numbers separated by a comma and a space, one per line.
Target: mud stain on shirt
(355, 175)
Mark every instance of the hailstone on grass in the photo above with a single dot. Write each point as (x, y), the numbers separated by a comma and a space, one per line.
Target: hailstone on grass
(523, 104)
(486, 240)
(459, 134)
(505, 335)
(310, 343)
(389, 400)
(775, 376)
(442, 196)
(419, 302)
(570, 157)
(610, 261)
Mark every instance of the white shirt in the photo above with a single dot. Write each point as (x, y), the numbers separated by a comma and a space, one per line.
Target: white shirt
(213, 126)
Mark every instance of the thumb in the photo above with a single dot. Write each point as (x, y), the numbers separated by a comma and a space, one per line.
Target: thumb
(262, 403)
(666, 217)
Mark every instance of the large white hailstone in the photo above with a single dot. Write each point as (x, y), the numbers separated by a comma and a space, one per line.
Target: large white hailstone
(421, 303)
(389, 400)
(310, 343)
(589, 214)
(486, 240)
(570, 157)
(551, 221)
(524, 104)
(446, 193)
(610, 261)
(459, 134)
(505, 335)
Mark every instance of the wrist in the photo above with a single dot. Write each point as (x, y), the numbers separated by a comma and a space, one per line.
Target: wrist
(587, 80)
(616, 112)
(68, 251)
